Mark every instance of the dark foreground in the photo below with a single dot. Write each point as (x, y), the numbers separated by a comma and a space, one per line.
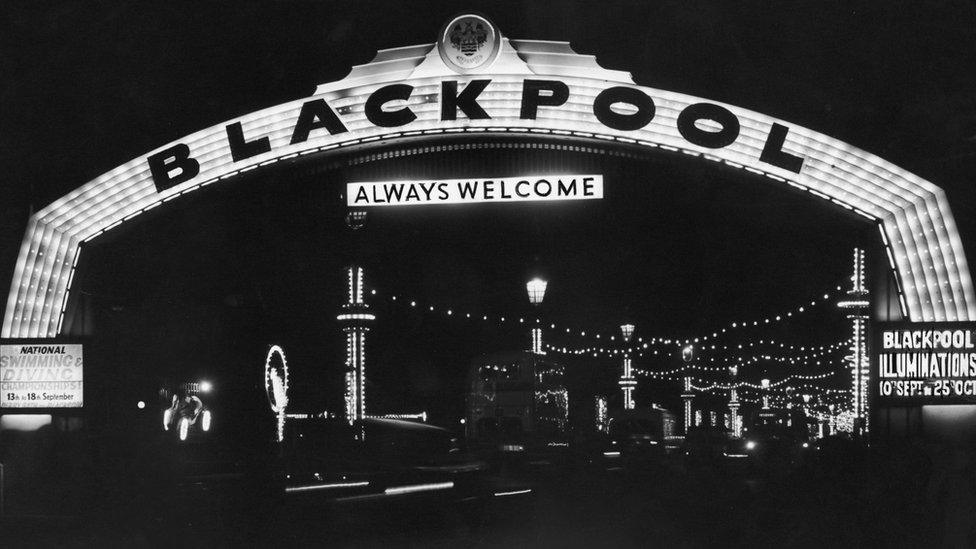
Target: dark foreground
(836, 497)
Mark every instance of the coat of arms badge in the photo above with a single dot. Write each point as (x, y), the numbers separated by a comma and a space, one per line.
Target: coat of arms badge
(469, 42)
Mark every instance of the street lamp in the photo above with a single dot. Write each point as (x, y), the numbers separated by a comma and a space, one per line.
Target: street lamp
(627, 381)
(536, 289)
(627, 330)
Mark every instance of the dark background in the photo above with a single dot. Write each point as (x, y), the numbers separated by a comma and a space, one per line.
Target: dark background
(679, 247)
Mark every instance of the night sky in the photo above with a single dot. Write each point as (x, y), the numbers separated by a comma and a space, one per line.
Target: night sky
(679, 247)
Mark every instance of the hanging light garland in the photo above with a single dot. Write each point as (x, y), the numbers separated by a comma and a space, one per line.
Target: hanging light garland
(775, 344)
(824, 350)
(827, 297)
(672, 346)
(596, 335)
(741, 384)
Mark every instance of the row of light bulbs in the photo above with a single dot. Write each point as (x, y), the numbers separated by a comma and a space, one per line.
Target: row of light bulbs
(645, 343)
(774, 343)
(731, 360)
(771, 386)
(768, 320)
(710, 369)
(828, 349)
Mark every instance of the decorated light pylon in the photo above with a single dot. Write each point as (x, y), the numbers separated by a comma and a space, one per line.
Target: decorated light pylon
(354, 318)
(627, 381)
(687, 355)
(687, 396)
(856, 306)
(734, 422)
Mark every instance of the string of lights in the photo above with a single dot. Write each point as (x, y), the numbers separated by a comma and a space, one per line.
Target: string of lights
(779, 358)
(779, 402)
(722, 369)
(597, 351)
(771, 386)
(827, 297)
(811, 357)
(808, 387)
(664, 374)
(596, 334)
(776, 344)
(640, 351)
(783, 361)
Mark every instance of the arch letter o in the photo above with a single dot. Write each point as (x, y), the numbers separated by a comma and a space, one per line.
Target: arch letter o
(704, 138)
(620, 121)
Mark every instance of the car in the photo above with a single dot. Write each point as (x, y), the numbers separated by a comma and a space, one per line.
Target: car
(636, 436)
(373, 457)
(705, 445)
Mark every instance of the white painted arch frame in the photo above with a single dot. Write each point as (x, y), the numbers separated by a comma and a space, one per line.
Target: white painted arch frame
(916, 224)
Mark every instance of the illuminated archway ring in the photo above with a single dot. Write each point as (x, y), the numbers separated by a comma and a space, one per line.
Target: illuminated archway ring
(276, 386)
(915, 222)
(277, 393)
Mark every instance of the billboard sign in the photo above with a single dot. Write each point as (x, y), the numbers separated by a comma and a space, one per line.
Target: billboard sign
(473, 190)
(41, 376)
(917, 363)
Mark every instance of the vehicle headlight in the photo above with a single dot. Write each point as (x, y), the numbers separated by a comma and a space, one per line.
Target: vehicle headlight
(750, 445)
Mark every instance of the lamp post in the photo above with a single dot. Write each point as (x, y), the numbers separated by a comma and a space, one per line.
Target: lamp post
(601, 414)
(687, 354)
(832, 420)
(806, 411)
(789, 406)
(857, 305)
(627, 381)
(734, 404)
(536, 289)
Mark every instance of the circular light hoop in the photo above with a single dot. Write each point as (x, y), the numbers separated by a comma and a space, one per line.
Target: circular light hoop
(276, 380)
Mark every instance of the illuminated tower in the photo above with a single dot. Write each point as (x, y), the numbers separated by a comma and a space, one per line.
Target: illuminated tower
(627, 381)
(355, 318)
(734, 421)
(857, 306)
(764, 383)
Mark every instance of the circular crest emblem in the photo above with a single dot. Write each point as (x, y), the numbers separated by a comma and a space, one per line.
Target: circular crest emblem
(469, 42)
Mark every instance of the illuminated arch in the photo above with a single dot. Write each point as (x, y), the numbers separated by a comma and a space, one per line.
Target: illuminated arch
(916, 225)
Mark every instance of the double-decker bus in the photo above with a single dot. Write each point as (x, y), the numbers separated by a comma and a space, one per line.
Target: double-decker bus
(517, 400)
